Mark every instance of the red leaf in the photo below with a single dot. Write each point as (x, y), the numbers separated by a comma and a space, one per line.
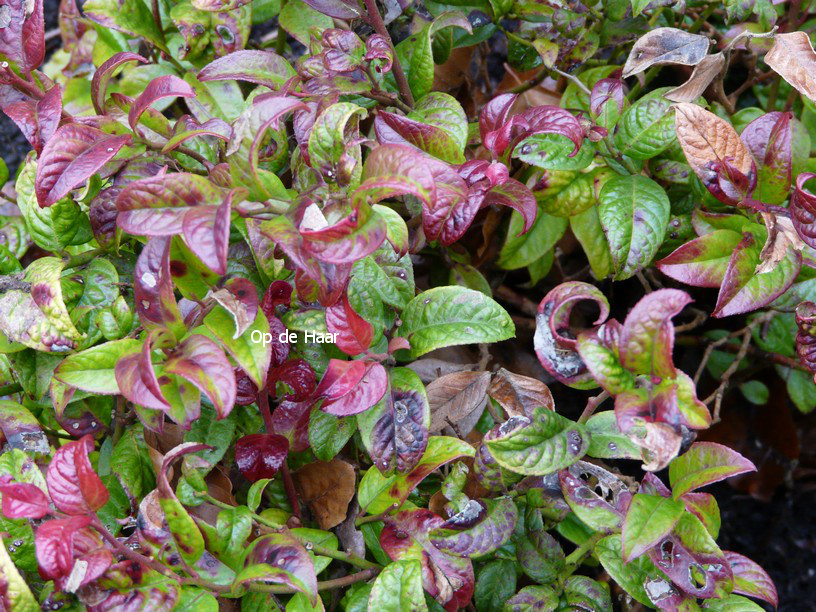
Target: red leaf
(38, 121)
(491, 121)
(278, 293)
(806, 335)
(298, 375)
(260, 455)
(153, 286)
(803, 210)
(605, 91)
(354, 333)
(103, 75)
(74, 486)
(167, 86)
(261, 67)
(291, 420)
(516, 195)
(340, 378)
(73, 155)
(131, 372)
(350, 239)
(202, 362)
(369, 390)
(23, 500)
(54, 545)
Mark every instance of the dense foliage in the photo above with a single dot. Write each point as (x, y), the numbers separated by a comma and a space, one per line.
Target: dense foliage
(231, 278)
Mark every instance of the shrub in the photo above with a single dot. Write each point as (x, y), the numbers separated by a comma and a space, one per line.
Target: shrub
(231, 278)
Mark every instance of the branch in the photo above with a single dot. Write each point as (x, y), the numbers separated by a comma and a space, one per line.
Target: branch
(376, 22)
(12, 282)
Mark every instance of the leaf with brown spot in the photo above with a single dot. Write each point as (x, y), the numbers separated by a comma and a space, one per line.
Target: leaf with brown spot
(708, 142)
(666, 46)
(519, 395)
(455, 396)
(781, 237)
(793, 58)
(327, 488)
(702, 76)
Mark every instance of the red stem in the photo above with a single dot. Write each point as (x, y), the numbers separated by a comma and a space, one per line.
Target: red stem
(289, 485)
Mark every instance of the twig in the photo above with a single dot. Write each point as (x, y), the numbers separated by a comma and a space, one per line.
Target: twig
(645, 283)
(291, 493)
(699, 318)
(525, 305)
(157, 20)
(591, 405)
(13, 282)
(376, 22)
(321, 586)
(375, 517)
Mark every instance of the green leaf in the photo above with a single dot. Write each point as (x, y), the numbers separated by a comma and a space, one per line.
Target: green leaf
(130, 462)
(233, 527)
(543, 444)
(329, 139)
(587, 228)
(634, 212)
(208, 429)
(520, 250)
(389, 276)
(398, 587)
(650, 517)
(16, 592)
(194, 599)
(801, 390)
(608, 441)
(377, 492)
(298, 18)
(704, 463)
(632, 577)
(129, 16)
(495, 584)
(446, 316)
(255, 493)
(253, 357)
(732, 603)
(755, 391)
(443, 111)
(92, 370)
(328, 434)
(554, 152)
(646, 129)
(188, 538)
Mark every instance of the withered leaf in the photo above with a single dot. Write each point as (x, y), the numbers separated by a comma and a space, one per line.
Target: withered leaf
(707, 140)
(793, 58)
(327, 488)
(781, 237)
(455, 396)
(702, 76)
(666, 46)
(519, 395)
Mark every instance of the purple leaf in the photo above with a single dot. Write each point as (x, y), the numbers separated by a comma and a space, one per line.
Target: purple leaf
(693, 561)
(750, 579)
(153, 287)
(291, 420)
(447, 578)
(261, 67)
(339, 9)
(604, 92)
(702, 262)
(481, 527)
(806, 334)
(38, 121)
(555, 350)
(203, 363)
(647, 337)
(130, 375)
(167, 86)
(74, 154)
(380, 53)
(598, 497)
(156, 206)
(492, 123)
(22, 37)
(350, 239)
(396, 431)
(281, 559)
(703, 464)
(769, 139)
(260, 455)
(206, 230)
(743, 290)
(103, 75)
(393, 170)
(396, 129)
(803, 210)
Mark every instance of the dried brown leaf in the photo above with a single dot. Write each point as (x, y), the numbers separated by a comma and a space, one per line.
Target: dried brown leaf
(666, 46)
(793, 58)
(456, 396)
(704, 72)
(327, 488)
(781, 237)
(706, 140)
(519, 395)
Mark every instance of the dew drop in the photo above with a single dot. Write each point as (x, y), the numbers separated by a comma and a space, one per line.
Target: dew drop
(18, 542)
(149, 279)
(309, 546)
(110, 149)
(94, 424)
(427, 301)
(3, 64)
(226, 34)
(12, 550)
(281, 561)
(75, 426)
(526, 149)
(613, 446)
